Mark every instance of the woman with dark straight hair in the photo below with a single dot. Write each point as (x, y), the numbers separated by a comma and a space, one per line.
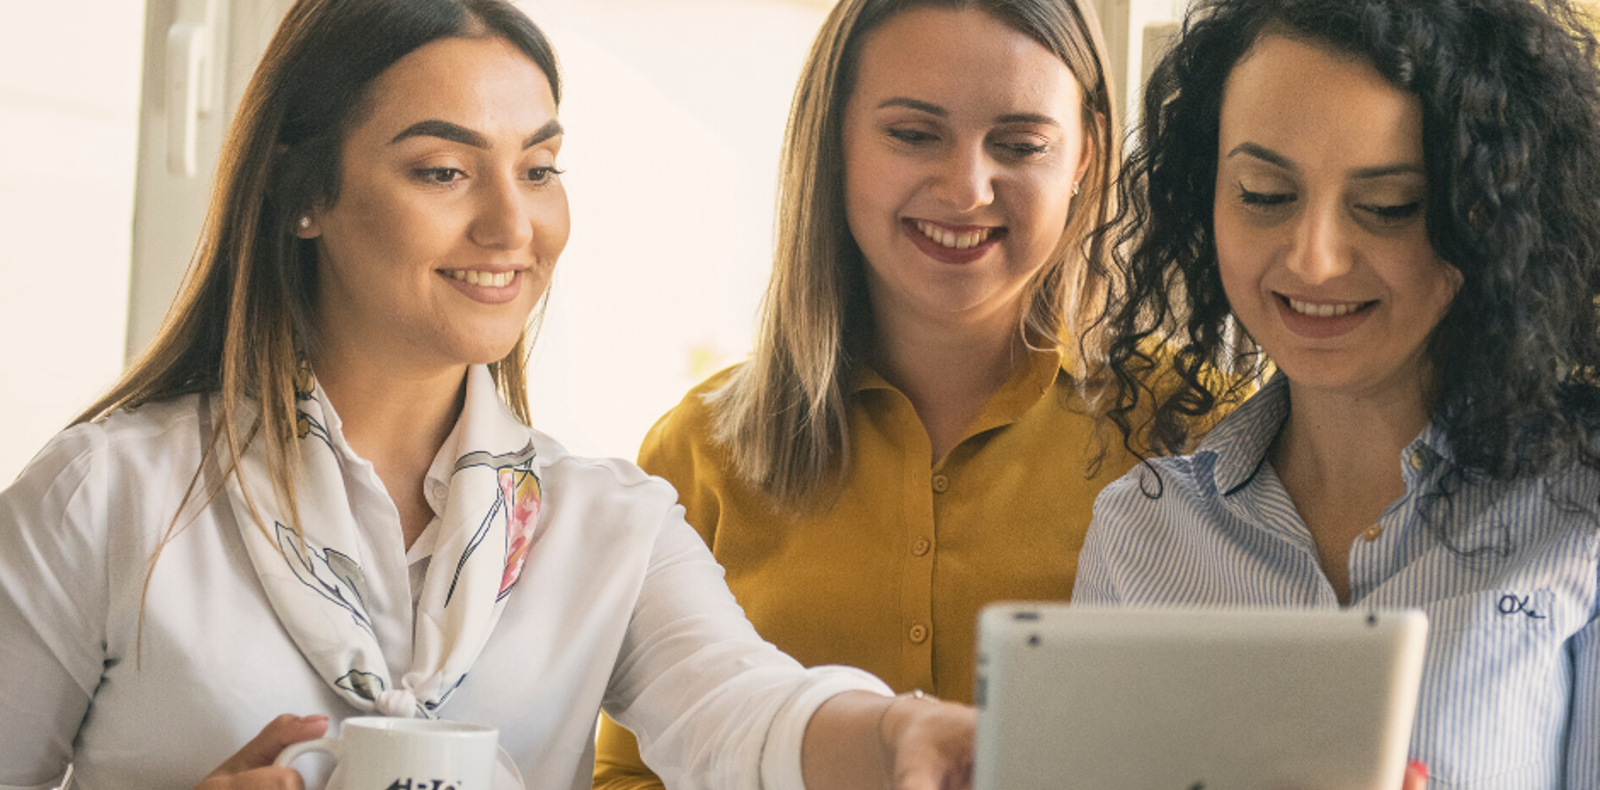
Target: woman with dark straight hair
(911, 438)
(1396, 205)
(317, 492)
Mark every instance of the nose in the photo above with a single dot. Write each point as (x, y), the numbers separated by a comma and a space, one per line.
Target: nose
(502, 219)
(965, 180)
(1319, 252)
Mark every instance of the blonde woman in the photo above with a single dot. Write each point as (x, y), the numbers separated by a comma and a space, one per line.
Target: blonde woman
(908, 441)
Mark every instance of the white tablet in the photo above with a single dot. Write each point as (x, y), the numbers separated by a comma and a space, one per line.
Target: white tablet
(1194, 699)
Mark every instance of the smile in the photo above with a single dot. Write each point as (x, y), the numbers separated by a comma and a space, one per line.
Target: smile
(964, 240)
(1324, 310)
(475, 277)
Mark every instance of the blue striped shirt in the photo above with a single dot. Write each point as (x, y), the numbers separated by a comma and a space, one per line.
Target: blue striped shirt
(1511, 682)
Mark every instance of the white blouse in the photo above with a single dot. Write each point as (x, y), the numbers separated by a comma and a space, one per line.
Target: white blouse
(620, 606)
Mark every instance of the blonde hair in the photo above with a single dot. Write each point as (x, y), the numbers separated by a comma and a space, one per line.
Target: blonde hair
(782, 415)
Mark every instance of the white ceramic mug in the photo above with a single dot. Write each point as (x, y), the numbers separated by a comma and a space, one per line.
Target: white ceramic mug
(377, 753)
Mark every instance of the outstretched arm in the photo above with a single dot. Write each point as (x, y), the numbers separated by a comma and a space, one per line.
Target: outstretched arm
(866, 741)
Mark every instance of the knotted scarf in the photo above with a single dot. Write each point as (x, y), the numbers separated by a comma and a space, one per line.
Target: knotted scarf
(317, 586)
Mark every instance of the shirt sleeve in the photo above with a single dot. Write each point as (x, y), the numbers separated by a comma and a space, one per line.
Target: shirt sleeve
(53, 596)
(680, 450)
(714, 706)
(668, 452)
(1583, 734)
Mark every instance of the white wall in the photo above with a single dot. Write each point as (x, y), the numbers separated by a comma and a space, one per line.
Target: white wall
(1125, 23)
(69, 89)
(675, 113)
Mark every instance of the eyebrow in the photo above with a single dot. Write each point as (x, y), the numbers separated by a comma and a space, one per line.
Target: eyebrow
(1263, 153)
(915, 104)
(934, 109)
(1274, 158)
(457, 133)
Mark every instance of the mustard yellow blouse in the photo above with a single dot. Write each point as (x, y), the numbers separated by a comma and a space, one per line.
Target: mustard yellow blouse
(891, 578)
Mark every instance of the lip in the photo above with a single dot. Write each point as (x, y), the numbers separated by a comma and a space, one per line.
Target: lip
(486, 294)
(1317, 327)
(951, 255)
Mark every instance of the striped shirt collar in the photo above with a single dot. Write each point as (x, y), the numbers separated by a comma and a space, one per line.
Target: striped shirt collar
(1235, 452)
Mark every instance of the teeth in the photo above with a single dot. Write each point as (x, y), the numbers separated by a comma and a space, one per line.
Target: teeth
(1323, 310)
(951, 239)
(474, 277)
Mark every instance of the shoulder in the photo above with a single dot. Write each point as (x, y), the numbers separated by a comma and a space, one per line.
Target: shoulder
(693, 420)
(1151, 489)
(95, 481)
(1145, 528)
(683, 443)
(126, 446)
(601, 493)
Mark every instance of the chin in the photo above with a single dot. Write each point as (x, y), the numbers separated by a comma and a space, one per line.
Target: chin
(491, 346)
(490, 357)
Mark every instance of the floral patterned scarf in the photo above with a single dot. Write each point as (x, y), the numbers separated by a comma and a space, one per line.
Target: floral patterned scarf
(317, 586)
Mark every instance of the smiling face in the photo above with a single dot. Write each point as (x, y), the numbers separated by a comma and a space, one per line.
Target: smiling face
(450, 213)
(1320, 219)
(963, 139)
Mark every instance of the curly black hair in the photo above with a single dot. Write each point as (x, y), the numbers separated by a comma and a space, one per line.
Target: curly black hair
(1511, 137)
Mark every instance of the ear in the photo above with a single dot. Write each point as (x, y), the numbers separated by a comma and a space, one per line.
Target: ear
(1092, 132)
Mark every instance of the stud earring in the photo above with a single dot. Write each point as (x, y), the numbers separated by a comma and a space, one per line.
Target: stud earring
(305, 222)
(1074, 189)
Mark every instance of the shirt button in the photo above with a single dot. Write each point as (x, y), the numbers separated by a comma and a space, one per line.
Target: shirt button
(1417, 460)
(1372, 533)
(921, 546)
(941, 484)
(919, 633)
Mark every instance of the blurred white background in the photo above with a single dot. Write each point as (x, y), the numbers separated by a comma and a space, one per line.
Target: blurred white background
(69, 108)
(674, 112)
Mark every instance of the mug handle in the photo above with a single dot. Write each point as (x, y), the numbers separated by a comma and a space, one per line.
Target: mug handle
(504, 758)
(333, 746)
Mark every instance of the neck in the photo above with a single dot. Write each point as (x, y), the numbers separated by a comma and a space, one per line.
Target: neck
(395, 420)
(1349, 439)
(947, 371)
(1338, 457)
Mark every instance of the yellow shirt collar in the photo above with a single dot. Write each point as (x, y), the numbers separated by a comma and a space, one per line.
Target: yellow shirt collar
(1031, 381)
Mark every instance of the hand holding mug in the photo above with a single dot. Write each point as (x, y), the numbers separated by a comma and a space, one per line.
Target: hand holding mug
(252, 768)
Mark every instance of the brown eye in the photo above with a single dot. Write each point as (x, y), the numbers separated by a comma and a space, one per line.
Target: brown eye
(540, 176)
(439, 175)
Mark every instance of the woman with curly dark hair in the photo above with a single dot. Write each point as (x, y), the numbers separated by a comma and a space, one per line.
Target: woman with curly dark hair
(1395, 205)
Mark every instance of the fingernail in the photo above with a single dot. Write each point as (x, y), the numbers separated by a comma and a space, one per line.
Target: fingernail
(1419, 768)
(313, 719)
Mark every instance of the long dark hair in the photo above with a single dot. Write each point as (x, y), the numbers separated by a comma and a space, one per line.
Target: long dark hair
(246, 303)
(1511, 139)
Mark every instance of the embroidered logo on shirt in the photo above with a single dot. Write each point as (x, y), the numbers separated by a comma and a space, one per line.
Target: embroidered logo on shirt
(1511, 605)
